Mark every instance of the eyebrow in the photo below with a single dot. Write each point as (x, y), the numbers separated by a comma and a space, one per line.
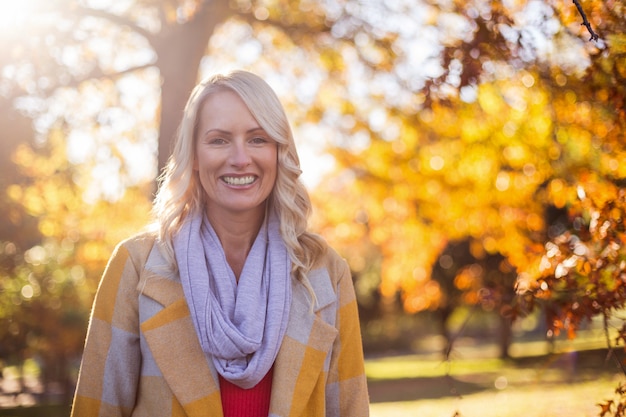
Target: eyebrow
(254, 129)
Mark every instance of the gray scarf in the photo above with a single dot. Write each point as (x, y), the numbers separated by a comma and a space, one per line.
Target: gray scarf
(240, 325)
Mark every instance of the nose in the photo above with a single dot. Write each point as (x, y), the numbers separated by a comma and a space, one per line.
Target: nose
(240, 155)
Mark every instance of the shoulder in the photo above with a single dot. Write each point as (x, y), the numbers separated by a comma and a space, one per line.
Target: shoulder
(331, 270)
(138, 246)
(140, 239)
(333, 262)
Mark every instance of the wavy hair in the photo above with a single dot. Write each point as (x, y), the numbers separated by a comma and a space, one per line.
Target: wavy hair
(180, 193)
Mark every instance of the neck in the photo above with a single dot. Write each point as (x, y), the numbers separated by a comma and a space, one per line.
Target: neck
(237, 233)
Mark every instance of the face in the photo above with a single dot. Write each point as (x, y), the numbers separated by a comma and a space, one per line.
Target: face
(235, 159)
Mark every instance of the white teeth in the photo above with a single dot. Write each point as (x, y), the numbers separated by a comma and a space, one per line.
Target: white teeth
(239, 180)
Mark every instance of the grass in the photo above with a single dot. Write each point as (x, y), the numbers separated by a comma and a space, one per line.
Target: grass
(567, 384)
(541, 400)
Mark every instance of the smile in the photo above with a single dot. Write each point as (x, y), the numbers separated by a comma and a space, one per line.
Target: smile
(239, 180)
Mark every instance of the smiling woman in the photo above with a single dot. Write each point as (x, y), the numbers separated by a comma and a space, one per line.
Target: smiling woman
(231, 289)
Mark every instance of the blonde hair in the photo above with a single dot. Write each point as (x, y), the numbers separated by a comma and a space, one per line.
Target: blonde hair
(180, 193)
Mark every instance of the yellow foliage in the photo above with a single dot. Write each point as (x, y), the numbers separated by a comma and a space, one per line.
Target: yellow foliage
(484, 170)
(617, 43)
(490, 100)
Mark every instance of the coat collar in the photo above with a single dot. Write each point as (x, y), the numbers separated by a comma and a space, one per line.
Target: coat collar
(170, 334)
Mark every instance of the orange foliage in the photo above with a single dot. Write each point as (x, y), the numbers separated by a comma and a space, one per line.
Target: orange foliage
(488, 168)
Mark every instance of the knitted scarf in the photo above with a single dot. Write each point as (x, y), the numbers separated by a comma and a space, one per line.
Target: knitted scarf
(240, 324)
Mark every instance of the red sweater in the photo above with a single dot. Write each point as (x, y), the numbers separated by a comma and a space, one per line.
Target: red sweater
(253, 402)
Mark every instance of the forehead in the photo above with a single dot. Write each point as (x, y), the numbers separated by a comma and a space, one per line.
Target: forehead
(223, 108)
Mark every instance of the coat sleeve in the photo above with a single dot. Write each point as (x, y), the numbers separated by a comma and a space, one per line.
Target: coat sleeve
(348, 394)
(110, 367)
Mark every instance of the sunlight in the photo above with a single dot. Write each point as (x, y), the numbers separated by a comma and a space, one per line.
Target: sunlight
(14, 14)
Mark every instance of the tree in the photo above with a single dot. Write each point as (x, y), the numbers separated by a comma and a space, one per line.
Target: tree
(48, 275)
(469, 276)
(171, 37)
(507, 127)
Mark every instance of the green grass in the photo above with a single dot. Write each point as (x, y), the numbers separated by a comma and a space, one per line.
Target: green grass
(541, 400)
(410, 366)
(567, 384)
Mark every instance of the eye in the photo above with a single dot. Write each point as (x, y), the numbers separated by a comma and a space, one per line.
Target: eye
(216, 141)
(258, 140)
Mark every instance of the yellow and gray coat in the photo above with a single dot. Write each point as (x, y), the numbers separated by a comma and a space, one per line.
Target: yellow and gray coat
(142, 356)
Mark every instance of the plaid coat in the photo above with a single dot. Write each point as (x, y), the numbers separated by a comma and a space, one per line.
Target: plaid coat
(142, 356)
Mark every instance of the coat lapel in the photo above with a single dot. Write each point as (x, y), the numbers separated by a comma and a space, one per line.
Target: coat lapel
(303, 355)
(172, 339)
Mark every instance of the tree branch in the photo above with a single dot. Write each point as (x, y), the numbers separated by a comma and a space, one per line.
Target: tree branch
(293, 30)
(116, 19)
(594, 35)
(96, 74)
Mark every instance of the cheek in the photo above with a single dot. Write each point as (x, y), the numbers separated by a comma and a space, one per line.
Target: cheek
(202, 161)
(272, 160)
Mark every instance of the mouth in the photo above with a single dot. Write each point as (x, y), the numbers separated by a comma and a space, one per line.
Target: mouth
(239, 181)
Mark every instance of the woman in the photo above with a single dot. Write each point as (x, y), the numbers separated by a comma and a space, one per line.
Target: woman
(230, 307)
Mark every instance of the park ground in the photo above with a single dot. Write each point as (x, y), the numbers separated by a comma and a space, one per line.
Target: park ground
(566, 379)
(570, 381)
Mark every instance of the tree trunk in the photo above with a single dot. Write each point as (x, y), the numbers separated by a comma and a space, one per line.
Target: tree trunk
(443, 315)
(505, 337)
(180, 51)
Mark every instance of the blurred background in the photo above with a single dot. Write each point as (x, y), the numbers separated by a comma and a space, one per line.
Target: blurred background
(468, 159)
